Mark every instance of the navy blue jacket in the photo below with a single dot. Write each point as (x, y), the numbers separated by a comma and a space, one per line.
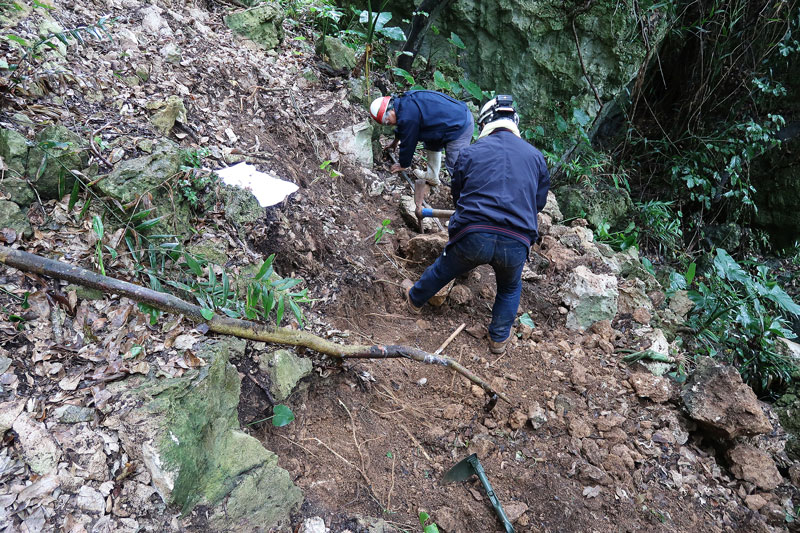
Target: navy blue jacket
(428, 116)
(499, 185)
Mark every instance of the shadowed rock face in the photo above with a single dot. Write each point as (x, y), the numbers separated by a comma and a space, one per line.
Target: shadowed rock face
(528, 48)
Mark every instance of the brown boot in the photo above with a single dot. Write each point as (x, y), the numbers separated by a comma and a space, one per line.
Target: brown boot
(498, 348)
(407, 285)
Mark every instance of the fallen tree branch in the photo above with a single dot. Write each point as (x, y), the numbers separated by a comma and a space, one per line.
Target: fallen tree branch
(245, 329)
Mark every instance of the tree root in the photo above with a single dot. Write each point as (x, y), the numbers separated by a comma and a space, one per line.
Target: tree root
(245, 329)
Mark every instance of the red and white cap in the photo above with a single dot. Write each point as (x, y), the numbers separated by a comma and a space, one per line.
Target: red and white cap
(378, 107)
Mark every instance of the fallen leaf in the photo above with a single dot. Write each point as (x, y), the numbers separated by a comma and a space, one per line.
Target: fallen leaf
(70, 382)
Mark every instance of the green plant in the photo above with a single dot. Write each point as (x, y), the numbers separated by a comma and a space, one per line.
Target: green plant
(281, 416)
(620, 240)
(430, 528)
(739, 317)
(195, 180)
(326, 166)
(31, 51)
(660, 226)
(383, 229)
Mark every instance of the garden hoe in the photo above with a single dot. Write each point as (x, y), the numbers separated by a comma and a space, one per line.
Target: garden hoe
(465, 470)
(423, 210)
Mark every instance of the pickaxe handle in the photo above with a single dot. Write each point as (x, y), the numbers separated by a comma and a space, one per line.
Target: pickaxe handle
(476, 464)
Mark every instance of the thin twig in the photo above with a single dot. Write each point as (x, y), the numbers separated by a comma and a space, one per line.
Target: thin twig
(416, 442)
(391, 487)
(449, 339)
(309, 452)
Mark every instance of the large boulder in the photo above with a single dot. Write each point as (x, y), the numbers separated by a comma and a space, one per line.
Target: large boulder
(355, 143)
(716, 397)
(57, 152)
(589, 297)
(262, 24)
(170, 111)
(336, 53)
(749, 463)
(147, 174)
(186, 432)
(609, 205)
(424, 249)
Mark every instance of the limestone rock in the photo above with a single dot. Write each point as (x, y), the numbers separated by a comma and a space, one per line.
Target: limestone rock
(551, 208)
(656, 388)
(611, 205)
(633, 296)
(12, 217)
(186, 431)
(17, 190)
(262, 24)
(285, 370)
(90, 500)
(64, 151)
(336, 53)
(748, 463)
(9, 411)
(715, 396)
(590, 297)
(153, 23)
(408, 212)
(73, 414)
(38, 448)
(14, 151)
(134, 177)
(315, 524)
(355, 143)
(173, 110)
(536, 415)
(425, 248)
(440, 297)
(680, 304)
(460, 295)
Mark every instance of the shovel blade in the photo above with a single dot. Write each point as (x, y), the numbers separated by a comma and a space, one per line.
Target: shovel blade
(462, 471)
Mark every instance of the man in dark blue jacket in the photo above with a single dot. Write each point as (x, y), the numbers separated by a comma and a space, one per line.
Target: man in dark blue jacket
(434, 118)
(499, 185)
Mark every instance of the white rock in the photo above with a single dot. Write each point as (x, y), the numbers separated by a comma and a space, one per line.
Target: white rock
(590, 297)
(106, 488)
(90, 500)
(314, 525)
(38, 448)
(9, 411)
(355, 143)
(42, 487)
(184, 342)
(163, 479)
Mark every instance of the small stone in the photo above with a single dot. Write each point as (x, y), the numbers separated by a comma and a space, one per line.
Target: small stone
(460, 295)
(646, 385)
(90, 500)
(642, 315)
(73, 414)
(517, 419)
(751, 464)
(755, 501)
(562, 310)
(487, 291)
(446, 519)
(578, 427)
(451, 411)
(514, 510)
(536, 415)
(314, 524)
(422, 381)
(477, 391)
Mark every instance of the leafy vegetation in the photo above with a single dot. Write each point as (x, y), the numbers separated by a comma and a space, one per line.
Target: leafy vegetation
(739, 317)
(196, 181)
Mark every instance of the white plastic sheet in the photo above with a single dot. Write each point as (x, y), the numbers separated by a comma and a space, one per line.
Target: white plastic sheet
(267, 189)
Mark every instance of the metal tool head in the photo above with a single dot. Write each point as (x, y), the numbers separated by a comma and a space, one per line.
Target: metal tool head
(462, 471)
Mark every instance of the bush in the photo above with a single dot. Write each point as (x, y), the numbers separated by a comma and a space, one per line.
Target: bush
(739, 317)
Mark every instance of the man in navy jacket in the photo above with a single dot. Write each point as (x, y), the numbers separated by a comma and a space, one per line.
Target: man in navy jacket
(499, 185)
(434, 118)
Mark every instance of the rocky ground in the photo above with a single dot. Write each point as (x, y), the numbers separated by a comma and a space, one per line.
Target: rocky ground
(588, 442)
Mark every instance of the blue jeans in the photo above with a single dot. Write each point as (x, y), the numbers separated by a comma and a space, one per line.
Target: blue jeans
(507, 256)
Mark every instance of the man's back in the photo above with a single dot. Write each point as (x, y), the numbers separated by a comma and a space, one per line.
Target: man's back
(500, 181)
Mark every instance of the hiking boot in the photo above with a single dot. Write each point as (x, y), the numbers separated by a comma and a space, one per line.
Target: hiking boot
(498, 348)
(407, 285)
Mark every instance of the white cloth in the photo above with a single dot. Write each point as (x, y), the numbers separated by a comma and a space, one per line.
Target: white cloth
(501, 123)
(268, 190)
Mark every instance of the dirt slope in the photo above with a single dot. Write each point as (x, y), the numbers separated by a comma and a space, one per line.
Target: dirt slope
(370, 438)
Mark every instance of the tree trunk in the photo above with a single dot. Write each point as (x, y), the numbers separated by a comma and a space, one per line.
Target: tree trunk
(224, 325)
(420, 24)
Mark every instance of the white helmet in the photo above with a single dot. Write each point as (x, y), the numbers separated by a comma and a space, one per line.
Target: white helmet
(379, 107)
(499, 108)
